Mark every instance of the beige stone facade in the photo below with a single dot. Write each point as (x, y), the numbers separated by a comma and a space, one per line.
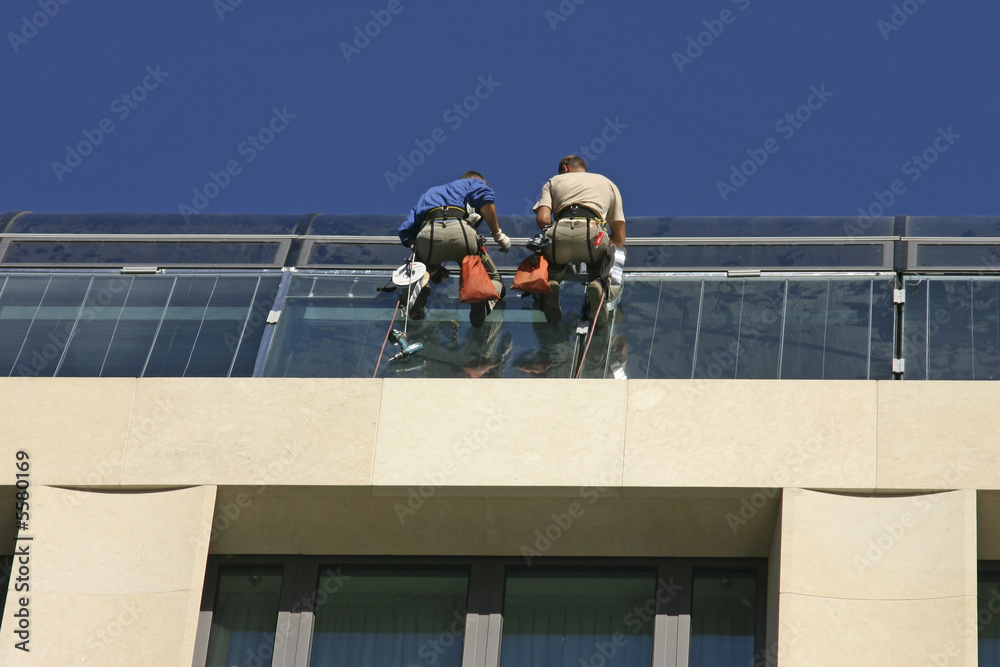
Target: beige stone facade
(872, 501)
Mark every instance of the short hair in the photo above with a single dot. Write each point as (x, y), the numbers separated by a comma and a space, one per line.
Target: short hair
(572, 162)
(474, 174)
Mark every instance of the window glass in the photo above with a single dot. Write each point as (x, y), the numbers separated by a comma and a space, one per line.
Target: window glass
(105, 324)
(245, 617)
(389, 618)
(569, 619)
(723, 619)
(951, 329)
(989, 620)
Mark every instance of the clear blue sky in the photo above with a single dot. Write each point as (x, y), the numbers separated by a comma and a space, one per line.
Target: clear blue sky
(309, 113)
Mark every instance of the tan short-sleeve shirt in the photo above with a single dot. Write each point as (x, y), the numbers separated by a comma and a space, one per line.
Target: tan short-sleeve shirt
(594, 191)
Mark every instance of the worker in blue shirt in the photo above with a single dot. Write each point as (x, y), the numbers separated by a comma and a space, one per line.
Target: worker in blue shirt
(442, 228)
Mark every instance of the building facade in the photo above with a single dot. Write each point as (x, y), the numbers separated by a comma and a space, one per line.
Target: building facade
(776, 453)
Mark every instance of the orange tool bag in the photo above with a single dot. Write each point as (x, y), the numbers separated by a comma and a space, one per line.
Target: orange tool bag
(532, 275)
(474, 284)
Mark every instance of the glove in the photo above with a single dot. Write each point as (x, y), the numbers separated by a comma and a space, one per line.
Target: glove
(502, 241)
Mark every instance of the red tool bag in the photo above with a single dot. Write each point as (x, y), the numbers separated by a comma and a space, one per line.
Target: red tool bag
(474, 284)
(532, 275)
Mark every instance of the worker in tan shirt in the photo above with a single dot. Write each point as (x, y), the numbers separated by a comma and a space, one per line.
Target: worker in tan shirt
(588, 226)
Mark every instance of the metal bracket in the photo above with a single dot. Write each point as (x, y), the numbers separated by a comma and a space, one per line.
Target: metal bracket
(899, 296)
(273, 316)
(898, 366)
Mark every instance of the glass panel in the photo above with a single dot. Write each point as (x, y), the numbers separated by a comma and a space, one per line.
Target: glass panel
(95, 327)
(989, 620)
(78, 325)
(358, 254)
(245, 617)
(51, 326)
(951, 329)
(129, 223)
(723, 619)
(222, 328)
(747, 227)
(756, 256)
(154, 253)
(19, 303)
(568, 619)
(979, 256)
(953, 226)
(389, 617)
(834, 328)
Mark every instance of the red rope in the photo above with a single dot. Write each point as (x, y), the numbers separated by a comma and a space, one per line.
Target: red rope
(590, 334)
(385, 340)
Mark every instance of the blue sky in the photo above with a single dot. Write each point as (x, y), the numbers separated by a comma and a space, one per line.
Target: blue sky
(722, 107)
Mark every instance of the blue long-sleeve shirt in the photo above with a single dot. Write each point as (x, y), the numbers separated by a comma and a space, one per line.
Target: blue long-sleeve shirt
(458, 193)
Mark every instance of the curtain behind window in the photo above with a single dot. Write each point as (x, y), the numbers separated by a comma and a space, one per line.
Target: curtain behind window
(245, 617)
(723, 620)
(390, 618)
(989, 621)
(596, 617)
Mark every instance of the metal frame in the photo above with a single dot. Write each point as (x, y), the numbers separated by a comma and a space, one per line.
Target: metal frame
(484, 615)
(886, 243)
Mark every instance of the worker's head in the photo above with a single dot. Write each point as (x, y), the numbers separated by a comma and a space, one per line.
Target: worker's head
(572, 163)
(474, 174)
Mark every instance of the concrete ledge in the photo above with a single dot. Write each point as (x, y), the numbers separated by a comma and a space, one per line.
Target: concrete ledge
(749, 433)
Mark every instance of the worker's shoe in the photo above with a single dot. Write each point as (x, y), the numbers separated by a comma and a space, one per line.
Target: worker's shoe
(550, 304)
(479, 311)
(595, 289)
(439, 274)
(418, 310)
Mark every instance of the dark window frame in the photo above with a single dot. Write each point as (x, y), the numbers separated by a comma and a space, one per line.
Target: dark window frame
(487, 575)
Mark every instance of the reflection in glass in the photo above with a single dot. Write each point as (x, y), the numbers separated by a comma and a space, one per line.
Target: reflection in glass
(951, 329)
(110, 325)
(723, 619)
(389, 617)
(245, 617)
(154, 253)
(565, 619)
(666, 327)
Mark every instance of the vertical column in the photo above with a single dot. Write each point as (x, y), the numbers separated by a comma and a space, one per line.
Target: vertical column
(877, 580)
(110, 578)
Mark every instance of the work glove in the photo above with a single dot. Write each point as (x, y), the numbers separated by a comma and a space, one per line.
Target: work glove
(502, 240)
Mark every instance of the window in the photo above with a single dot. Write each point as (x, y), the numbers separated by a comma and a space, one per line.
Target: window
(481, 612)
(988, 618)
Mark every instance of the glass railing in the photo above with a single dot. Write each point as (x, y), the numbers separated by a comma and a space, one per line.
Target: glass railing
(303, 296)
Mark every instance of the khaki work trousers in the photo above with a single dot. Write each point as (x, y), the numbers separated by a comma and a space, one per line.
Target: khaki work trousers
(575, 240)
(450, 241)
